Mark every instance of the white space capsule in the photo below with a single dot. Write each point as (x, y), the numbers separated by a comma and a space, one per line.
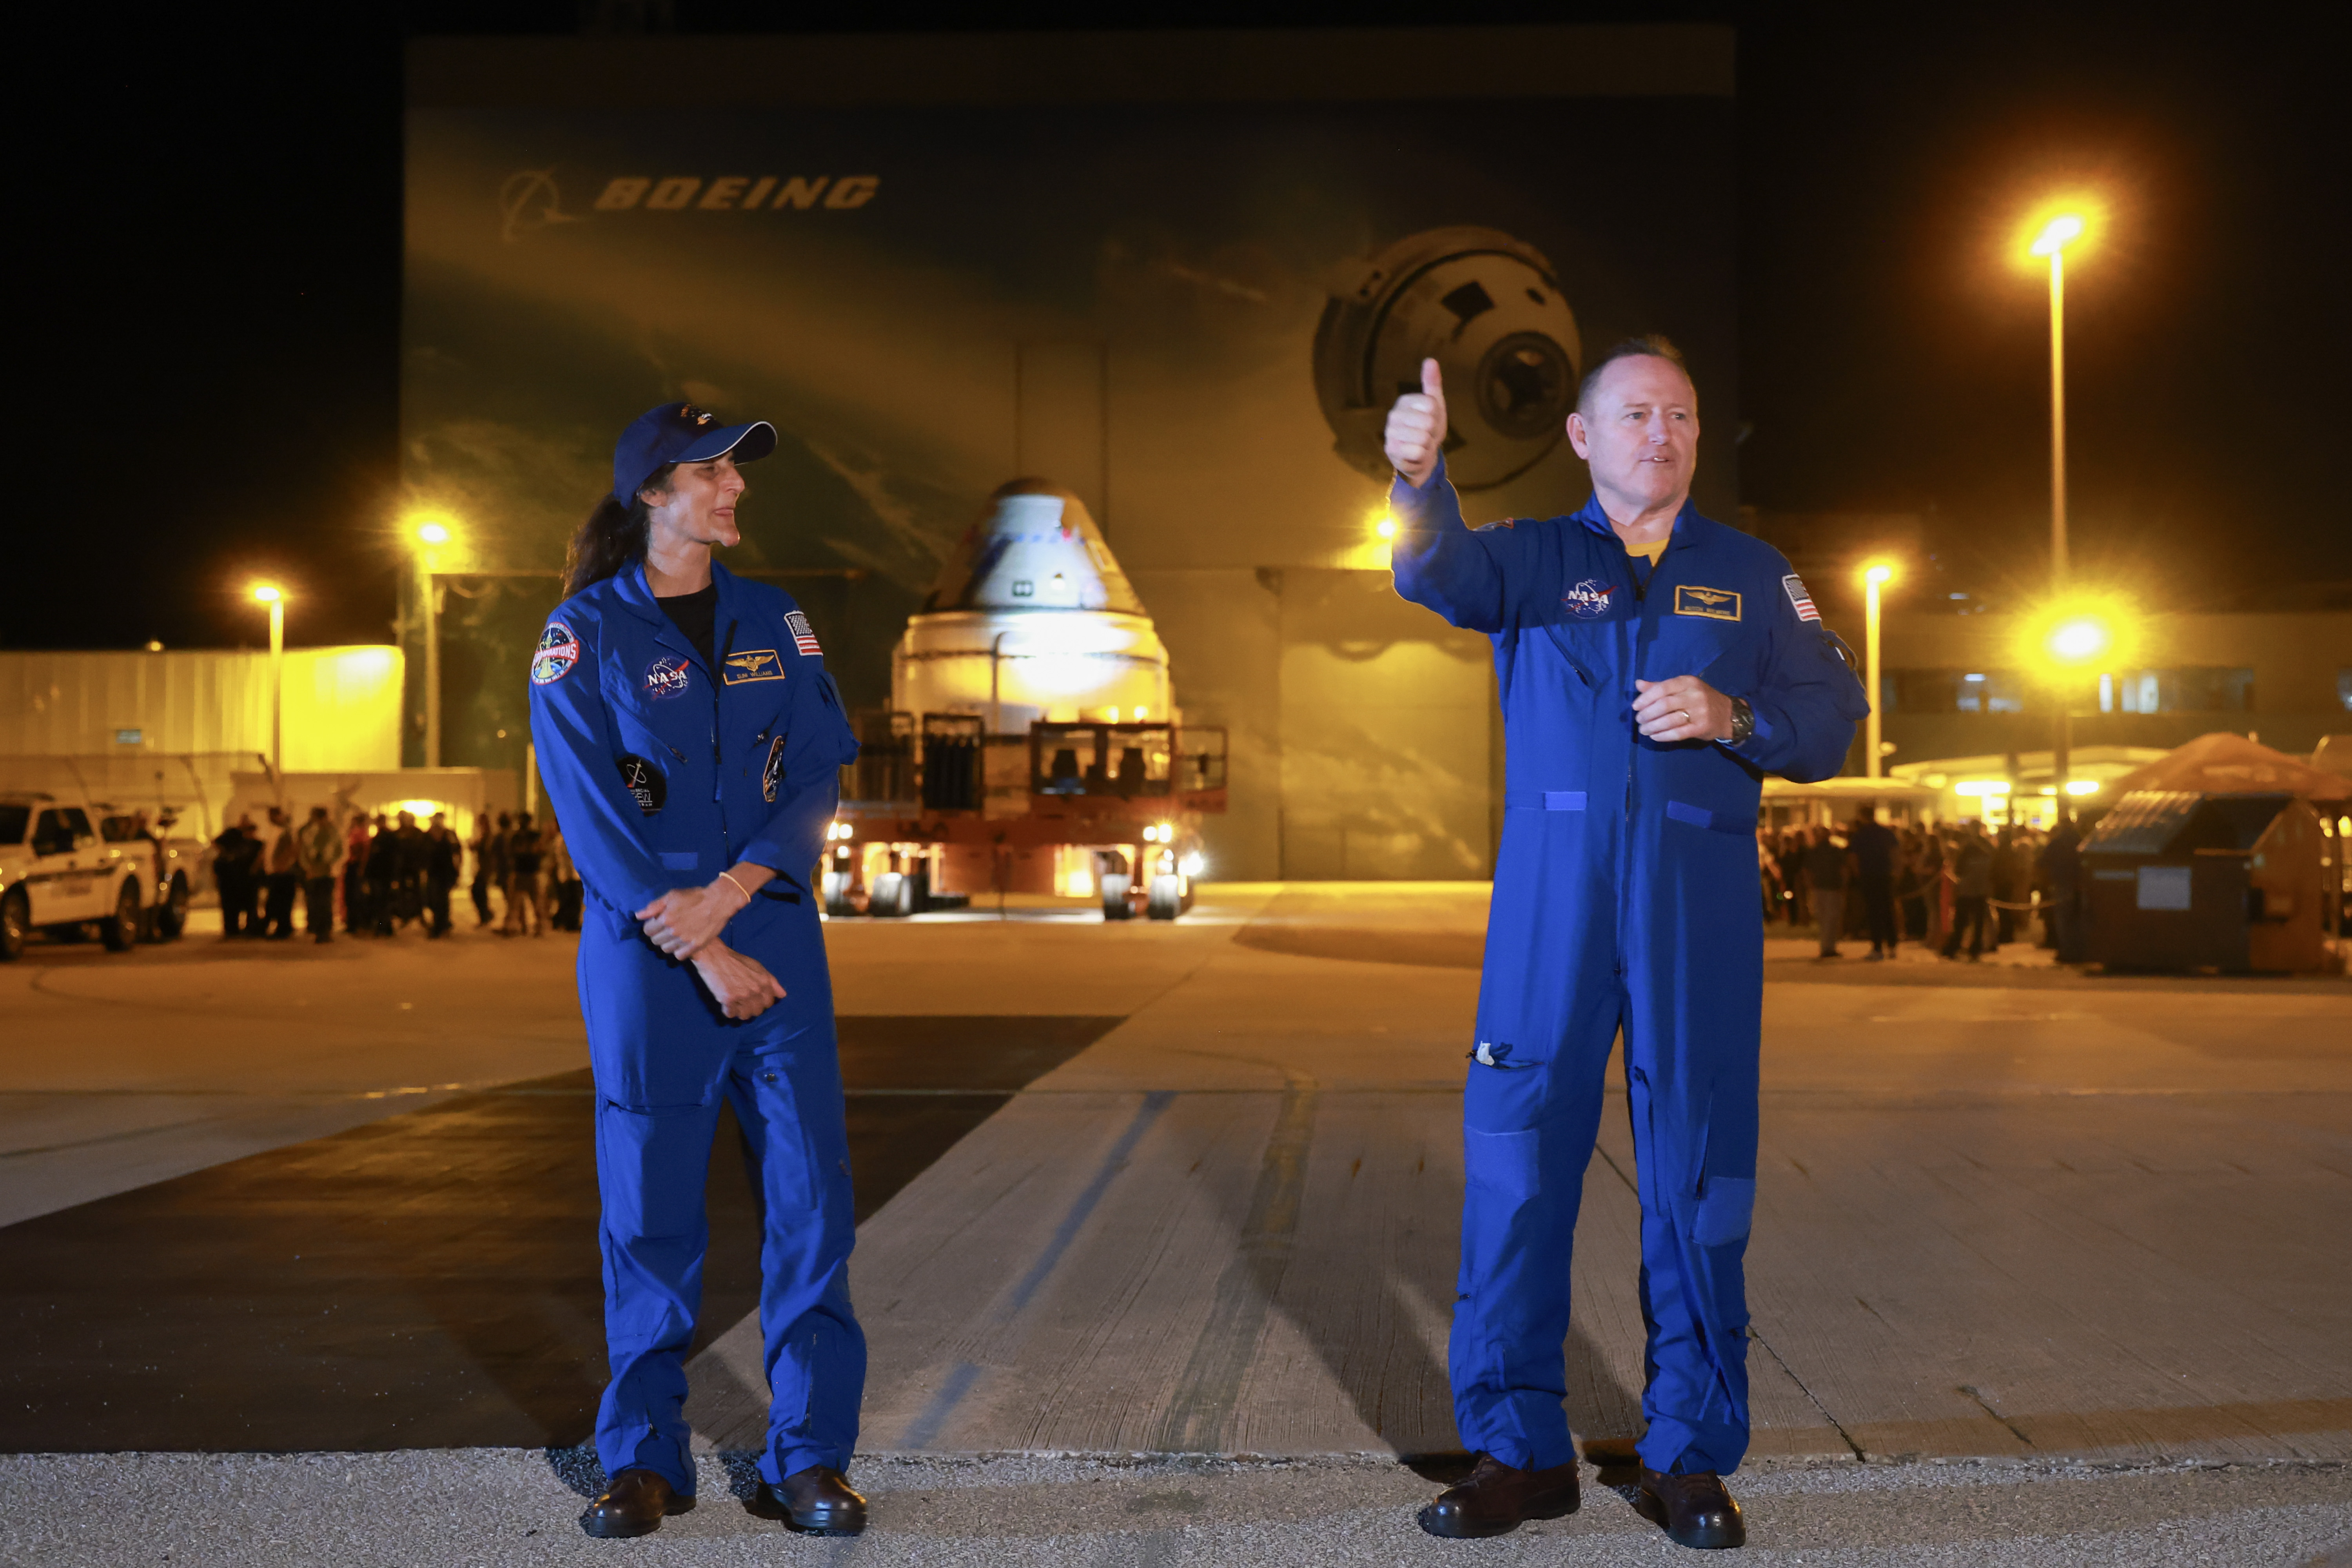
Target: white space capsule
(1031, 619)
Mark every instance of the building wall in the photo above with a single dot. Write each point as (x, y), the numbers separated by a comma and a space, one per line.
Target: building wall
(1363, 730)
(1106, 260)
(2296, 660)
(341, 705)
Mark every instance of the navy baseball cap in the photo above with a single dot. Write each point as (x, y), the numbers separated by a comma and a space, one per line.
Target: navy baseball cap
(681, 433)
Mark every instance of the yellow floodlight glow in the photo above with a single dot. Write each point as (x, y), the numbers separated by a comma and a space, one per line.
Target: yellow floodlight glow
(267, 593)
(433, 532)
(1385, 527)
(2056, 234)
(1878, 574)
(2055, 231)
(2079, 638)
(2079, 632)
(2082, 786)
(1981, 786)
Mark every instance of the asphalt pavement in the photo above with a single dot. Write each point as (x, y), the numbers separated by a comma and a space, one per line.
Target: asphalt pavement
(1155, 1250)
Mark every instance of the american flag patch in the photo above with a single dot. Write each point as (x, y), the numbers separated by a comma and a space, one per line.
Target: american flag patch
(806, 640)
(1798, 597)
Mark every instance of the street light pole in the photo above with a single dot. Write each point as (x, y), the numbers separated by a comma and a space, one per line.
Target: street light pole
(432, 661)
(1872, 579)
(2056, 236)
(275, 597)
(430, 535)
(2058, 567)
(277, 683)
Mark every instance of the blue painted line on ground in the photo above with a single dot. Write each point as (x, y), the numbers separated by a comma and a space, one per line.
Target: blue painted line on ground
(934, 1418)
(1155, 1102)
(935, 1415)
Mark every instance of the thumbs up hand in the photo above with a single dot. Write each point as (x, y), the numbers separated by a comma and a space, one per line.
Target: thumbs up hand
(1416, 432)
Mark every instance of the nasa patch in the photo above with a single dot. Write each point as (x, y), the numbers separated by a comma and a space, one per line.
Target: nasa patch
(1589, 600)
(557, 652)
(772, 772)
(644, 781)
(666, 676)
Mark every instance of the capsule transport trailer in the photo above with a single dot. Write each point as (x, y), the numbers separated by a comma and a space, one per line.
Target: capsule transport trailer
(1033, 743)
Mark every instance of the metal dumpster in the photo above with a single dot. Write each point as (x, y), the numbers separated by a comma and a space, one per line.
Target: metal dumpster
(2182, 880)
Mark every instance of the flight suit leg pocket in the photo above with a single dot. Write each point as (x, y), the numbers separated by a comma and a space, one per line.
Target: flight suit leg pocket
(1725, 1211)
(1502, 1106)
(1509, 1164)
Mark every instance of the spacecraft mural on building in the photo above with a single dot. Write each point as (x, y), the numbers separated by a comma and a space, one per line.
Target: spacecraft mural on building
(1490, 311)
(1185, 315)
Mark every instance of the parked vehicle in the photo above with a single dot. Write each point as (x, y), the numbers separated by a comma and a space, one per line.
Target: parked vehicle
(72, 870)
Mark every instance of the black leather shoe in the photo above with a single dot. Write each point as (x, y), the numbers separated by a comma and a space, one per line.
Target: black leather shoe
(1494, 1499)
(1694, 1511)
(634, 1504)
(814, 1501)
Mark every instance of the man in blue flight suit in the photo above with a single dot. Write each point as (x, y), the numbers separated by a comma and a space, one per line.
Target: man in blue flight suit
(1652, 665)
(688, 736)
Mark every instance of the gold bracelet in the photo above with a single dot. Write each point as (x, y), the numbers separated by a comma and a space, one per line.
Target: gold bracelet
(738, 887)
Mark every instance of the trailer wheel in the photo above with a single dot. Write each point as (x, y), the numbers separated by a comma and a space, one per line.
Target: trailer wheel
(838, 901)
(12, 927)
(1116, 886)
(119, 931)
(891, 897)
(1167, 900)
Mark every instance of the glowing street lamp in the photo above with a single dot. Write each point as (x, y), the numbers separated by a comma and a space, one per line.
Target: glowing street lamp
(2079, 639)
(2058, 231)
(431, 533)
(274, 596)
(2071, 641)
(1874, 576)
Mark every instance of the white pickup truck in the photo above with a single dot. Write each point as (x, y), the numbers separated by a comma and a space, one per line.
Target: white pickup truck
(67, 869)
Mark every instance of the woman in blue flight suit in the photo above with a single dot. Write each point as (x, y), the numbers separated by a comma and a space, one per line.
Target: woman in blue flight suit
(688, 736)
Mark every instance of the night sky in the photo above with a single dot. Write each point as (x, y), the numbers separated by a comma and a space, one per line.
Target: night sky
(208, 233)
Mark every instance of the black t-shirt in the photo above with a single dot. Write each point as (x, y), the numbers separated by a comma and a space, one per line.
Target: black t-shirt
(697, 615)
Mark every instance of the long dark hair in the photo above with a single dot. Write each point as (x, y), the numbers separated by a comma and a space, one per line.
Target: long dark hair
(612, 538)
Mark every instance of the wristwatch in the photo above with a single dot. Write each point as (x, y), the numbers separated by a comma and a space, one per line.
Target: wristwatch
(1743, 723)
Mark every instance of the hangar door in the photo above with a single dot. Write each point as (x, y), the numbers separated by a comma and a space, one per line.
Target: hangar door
(1390, 737)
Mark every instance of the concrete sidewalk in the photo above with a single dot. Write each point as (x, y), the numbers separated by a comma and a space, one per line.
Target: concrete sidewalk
(503, 1506)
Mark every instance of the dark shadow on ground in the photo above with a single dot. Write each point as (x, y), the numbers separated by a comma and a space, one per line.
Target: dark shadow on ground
(429, 1281)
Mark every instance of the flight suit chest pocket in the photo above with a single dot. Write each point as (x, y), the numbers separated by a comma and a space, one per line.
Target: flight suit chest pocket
(647, 735)
(1692, 644)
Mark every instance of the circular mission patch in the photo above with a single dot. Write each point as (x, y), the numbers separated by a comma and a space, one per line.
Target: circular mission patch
(557, 652)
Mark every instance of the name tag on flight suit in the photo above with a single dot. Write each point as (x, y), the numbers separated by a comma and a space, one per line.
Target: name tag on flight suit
(1715, 604)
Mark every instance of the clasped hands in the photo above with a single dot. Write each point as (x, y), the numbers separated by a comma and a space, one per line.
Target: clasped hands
(684, 923)
(1683, 709)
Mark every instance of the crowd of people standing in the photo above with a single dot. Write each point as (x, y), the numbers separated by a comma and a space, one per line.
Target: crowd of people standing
(387, 872)
(1951, 887)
